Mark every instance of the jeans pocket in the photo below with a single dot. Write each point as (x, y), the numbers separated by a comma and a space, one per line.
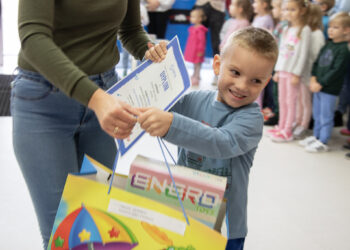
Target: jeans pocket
(30, 89)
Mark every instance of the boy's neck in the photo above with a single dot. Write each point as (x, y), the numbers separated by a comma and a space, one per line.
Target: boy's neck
(339, 40)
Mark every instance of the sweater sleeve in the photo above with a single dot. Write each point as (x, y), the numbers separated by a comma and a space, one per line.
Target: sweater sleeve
(302, 52)
(231, 140)
(131, 33)
(36, 32)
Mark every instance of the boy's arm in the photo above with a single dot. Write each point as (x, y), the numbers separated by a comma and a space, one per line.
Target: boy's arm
(235, 138)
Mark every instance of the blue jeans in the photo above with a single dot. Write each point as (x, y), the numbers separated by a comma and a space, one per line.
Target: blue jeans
(51, 134)
(323, 106)
(235, 244)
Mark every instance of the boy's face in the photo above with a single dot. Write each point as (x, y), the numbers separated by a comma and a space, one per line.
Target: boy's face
(337, 32)
(242, 75)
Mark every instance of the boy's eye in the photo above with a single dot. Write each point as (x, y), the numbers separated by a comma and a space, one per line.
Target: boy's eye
(235, 72)
(256, 81)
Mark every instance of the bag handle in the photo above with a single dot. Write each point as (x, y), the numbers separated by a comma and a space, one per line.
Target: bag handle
(160, 141)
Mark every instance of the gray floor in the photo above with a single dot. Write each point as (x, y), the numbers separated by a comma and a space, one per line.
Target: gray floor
(297, 200)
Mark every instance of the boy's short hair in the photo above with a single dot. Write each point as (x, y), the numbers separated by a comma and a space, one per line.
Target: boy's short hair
(342, 18)
(256, 39)
(329, 3)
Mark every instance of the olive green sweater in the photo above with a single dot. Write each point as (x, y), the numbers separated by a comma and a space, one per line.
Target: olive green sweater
(67, 40)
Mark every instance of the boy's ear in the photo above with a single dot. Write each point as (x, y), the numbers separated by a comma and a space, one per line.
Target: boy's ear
(216, 64)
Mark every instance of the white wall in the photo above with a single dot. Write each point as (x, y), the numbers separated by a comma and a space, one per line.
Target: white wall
(10, 35)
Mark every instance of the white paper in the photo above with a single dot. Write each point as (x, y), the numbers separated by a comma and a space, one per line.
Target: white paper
(146, 215)
(153, 84)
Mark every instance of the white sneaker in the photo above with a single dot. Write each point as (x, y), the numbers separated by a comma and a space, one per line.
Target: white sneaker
(307, 141)
(317, 147)
(299, 132)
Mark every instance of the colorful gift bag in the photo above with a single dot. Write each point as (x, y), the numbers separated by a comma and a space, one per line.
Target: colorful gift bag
(90, 218)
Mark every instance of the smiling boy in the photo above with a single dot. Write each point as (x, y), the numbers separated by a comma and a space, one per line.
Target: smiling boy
(219, 131)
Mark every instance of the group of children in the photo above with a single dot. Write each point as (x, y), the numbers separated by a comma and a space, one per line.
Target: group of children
(218, 131)
(310, 70)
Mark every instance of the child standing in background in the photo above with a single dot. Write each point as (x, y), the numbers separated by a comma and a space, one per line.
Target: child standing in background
(278, 16)
(326, 6)
(271, 112)
(304, 104)
(196, 43)
(328, 75)
(219, 131)
(241, 12)
(264, 20)
(290, 66)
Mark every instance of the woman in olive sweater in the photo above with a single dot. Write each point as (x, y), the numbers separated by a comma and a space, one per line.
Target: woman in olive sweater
(59, 107)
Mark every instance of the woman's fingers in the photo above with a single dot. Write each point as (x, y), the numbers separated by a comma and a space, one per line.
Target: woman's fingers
(156, 53)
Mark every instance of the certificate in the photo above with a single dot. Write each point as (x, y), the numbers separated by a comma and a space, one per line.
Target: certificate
(153, 84)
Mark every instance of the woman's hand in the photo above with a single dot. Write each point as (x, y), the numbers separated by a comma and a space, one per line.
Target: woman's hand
(275, 77)
(156, 53)
(116, 118)
(154, 121)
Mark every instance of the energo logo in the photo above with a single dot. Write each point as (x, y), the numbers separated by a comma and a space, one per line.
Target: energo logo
(195, 195)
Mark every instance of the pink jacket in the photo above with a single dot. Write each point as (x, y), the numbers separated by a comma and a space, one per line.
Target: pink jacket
(196, 43)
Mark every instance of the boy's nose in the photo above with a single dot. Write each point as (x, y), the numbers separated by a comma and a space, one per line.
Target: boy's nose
(241, 84)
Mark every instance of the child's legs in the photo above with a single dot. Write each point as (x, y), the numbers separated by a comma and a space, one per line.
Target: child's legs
(197, 70)
(291, 100)
(235, 244)
(306, 105)
(328, 103)
(316, 113)
(282, 94)
(299, 109)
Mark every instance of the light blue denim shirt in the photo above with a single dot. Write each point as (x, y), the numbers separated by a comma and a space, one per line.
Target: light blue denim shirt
(221, 140)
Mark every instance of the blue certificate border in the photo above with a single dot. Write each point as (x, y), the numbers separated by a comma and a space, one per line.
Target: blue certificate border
(174, 43)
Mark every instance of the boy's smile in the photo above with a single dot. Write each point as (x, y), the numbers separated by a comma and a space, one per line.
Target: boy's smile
(242, 75)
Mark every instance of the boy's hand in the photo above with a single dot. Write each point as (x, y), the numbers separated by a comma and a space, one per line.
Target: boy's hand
(275, 77)
(315, 87)
(154, 121)
(295, 80)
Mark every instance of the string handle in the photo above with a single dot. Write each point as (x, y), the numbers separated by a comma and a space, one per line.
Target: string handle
(160, 141)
